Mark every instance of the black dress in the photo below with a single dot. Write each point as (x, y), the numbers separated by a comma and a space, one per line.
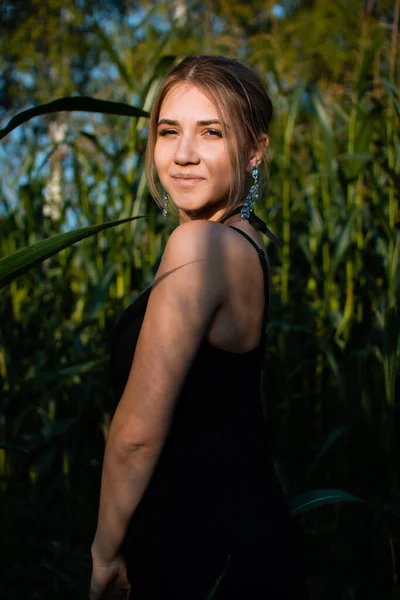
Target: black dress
(213, 510)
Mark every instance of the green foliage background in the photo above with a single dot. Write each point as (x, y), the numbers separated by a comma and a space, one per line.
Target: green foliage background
(330, 374)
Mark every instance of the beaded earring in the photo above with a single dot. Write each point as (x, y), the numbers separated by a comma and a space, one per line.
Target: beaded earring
(165, 203)
(251, 196)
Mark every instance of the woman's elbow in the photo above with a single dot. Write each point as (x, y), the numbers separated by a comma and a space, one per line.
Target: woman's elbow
(126, 443)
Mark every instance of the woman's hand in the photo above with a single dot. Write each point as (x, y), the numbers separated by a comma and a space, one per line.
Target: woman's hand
(109, 581)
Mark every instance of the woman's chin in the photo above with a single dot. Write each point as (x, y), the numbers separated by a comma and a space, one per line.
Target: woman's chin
(189, 205)
(198, 211)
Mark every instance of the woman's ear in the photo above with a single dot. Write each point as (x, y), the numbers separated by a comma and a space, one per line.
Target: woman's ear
(257, 154)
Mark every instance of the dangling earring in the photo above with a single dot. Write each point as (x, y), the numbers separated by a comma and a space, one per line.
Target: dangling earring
(251, 196)
(165, 203)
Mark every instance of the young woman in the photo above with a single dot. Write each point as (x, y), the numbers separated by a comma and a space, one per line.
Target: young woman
(189, 498)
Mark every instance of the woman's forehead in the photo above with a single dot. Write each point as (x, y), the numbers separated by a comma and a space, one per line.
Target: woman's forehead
(185, 99)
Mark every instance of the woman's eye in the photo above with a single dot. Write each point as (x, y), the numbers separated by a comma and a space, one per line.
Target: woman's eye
(165, 132)
(208, 132)
(214, 133)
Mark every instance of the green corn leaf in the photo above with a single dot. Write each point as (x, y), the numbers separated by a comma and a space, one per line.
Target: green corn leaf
(74, 103)
(140, 196)
(333, 436)
(21, 261)
(367, 125)
(317, 221)
(304, 246)
(343, 242)
(315, 498)
(394, 271)
(112, 158)
(272, 68)
(86, 367)
(328, 135)
(397, 107)
(293, 111)
(393, 91)
(339, 111)
(78, 369)
(390, 87)
(364, 80)
(11, 447)
(153, 85)
(114, 55)
(55, 429)
(211, 595)
(102, 287)
(391, 333)
(353, 164)
(379, 216)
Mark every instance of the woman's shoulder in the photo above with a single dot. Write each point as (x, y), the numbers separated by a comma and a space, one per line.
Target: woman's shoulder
(193, 257)
(199, 228)
(201, 251)
(197, 237)
(212, 242)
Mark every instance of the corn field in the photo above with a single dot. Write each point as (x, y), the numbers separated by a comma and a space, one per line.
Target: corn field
(80, 238)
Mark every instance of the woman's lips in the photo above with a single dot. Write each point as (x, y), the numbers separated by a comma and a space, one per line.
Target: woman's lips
(187, 181)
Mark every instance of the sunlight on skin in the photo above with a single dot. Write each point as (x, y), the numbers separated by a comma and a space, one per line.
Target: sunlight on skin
(191, 156)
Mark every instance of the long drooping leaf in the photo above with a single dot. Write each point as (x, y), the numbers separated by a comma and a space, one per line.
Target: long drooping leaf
(74, 103)
(316, 498)
(21, 261)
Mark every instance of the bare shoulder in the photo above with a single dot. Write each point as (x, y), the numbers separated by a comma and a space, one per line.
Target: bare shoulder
(200, 243)
(219, 248)
(195, 238)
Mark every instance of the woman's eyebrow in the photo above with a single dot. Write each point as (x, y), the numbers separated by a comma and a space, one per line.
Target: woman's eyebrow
(200, 123)
(208, 122)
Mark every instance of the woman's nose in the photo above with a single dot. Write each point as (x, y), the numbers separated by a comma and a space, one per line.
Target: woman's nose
(186, 151)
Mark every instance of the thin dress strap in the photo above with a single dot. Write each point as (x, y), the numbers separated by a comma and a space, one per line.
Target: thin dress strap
(267, 282)
(257, 224)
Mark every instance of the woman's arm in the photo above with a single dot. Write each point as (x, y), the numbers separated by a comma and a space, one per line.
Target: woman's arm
(188, 289)
(125, 477)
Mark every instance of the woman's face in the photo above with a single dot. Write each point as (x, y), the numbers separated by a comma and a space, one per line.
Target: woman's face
(190, 154)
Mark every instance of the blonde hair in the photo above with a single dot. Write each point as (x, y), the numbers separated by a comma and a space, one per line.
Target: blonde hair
(243, 107)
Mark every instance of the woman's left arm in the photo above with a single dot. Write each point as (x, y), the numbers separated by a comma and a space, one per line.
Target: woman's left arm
(125, 477)
(188, 289)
